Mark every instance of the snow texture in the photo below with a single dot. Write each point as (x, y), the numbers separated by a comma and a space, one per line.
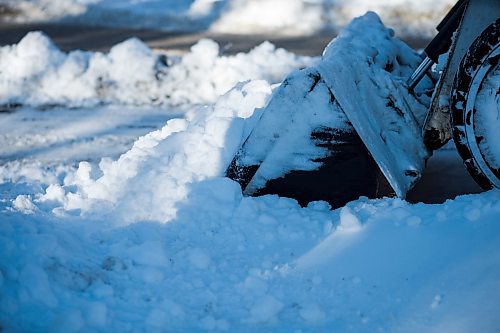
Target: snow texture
(285, 17)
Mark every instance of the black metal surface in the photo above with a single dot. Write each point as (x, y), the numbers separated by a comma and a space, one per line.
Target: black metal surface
(347, 173)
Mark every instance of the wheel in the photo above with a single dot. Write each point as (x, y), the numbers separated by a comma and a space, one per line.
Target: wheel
(475, 113)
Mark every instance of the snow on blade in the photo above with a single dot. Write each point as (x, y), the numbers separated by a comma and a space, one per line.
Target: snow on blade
(360, 79)
(366, 68)
(35, 72)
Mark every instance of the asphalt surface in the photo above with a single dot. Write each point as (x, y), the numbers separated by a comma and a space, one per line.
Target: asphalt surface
(444, 178)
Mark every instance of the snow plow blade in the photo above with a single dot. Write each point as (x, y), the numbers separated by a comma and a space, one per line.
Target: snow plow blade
(344, 128)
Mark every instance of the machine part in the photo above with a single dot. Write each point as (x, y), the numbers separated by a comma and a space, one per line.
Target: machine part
(440, 44)
(478, 14)
(475, 108)
(343, 128)
(419, 73)
(303, 147)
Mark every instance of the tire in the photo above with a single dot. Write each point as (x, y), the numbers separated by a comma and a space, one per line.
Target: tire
(475, 114)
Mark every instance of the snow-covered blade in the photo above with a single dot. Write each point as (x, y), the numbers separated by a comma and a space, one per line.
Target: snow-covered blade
(366, 67)
(360, 76)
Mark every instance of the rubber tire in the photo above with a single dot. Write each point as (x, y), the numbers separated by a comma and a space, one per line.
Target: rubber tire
(475, 60)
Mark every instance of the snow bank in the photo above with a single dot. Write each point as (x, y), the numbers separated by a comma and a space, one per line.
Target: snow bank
(288, 17)
(35, 72)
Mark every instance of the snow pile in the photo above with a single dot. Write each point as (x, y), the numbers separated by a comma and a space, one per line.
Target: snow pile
(165, 162)
(286, 17)
(35, 72)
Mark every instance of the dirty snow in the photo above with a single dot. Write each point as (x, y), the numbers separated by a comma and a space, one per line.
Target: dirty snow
(153, 238)
(286, 17)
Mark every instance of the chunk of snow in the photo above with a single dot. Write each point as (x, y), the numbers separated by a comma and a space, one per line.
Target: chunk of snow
(349, 222)
(24, 204)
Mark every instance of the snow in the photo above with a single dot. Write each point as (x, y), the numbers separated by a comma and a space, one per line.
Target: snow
(35, 72)
(284, 276)
(285, 17)
(152, 237)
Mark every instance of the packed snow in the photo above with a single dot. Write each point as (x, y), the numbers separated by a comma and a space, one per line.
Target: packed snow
(153, 237)
(285, 17)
